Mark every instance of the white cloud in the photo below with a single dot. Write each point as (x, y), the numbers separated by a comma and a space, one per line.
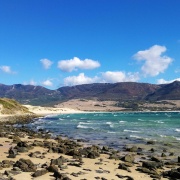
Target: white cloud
(7, 69)
(32, 82)
(46, 63)
(47, 83)
(106, 77)
(155, 63)
(119, 76)
(163, 81)
(80, 79)
(76, 63)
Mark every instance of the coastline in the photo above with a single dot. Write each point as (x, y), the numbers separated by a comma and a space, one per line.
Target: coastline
(104, 163)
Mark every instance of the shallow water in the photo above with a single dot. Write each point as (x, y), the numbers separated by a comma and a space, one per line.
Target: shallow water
(115, 129)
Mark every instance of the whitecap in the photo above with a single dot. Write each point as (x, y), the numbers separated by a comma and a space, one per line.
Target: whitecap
(111, 132)
(83, 127)
(140, 120)
(109, 123)
(79, 126)
(127, 130)
(85, 123)
(162, 135)
(177, 130)
(160, 122)
(134, 136)
(122, 122)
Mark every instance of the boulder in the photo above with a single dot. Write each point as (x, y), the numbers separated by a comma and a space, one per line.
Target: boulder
(152, 165)
(60, 176)
(151, 142)
(39, 172)
(12, 152)
(59, 161)
(124, 167)
(132, 149)
(128, 158)
(172, 174)
(26, 165)
(52, 168)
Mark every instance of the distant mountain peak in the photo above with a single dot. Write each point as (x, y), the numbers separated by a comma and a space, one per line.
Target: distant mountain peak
(122, 91)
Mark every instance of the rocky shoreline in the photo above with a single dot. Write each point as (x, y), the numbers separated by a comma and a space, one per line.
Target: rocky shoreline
(26, 154)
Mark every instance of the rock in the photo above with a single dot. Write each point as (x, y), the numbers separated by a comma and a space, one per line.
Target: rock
(52, 168)
(74, 152)
(60, 176)
(124, 167)
(7, 163)
(152, 149)
(173, 173)
(12, 152)
(39, 173)
(127, 177)
(163, 155)
(132, 149)
(105, 148)
(147, 171)
(16, 139)
(128, 164)
(152, 165)
(114, 156)
(171, 154)
(128, 158)
(104, 178)
(22, 144)
(26, 165)
(38, 143)
(156, 159)
(59, 161)
(22, 149)
(75, 164)
(151, 142)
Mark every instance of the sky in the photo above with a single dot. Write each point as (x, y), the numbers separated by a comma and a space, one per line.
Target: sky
(55, 43)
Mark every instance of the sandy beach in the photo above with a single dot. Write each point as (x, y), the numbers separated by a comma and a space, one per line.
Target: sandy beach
(62, 158)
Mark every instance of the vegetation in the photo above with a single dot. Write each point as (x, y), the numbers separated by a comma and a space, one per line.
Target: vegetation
(10, 106)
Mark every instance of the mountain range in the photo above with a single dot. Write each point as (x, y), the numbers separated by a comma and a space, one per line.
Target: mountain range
(123, 91)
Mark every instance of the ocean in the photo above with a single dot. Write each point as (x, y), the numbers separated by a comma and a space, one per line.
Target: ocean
(114, 129)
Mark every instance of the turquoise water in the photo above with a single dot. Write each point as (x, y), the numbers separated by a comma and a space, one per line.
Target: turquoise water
(115, 129)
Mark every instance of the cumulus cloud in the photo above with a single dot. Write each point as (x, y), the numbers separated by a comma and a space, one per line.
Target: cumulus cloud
(80, 79)
(47, 83)
(31, 82)
(119, 76)
(76, 63)
(163, 81)
(7, 69)
(105, 77)
(46, 63)
(155, 63)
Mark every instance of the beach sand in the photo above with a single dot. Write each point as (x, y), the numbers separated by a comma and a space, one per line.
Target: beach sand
(101, 167)
(98, 168)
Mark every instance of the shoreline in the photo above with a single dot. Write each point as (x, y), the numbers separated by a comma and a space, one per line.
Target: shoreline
(100, 163)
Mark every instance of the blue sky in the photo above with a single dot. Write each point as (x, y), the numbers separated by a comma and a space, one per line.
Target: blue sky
(56, 43)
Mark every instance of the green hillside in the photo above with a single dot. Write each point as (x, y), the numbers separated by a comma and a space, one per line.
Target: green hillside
(10, 106)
